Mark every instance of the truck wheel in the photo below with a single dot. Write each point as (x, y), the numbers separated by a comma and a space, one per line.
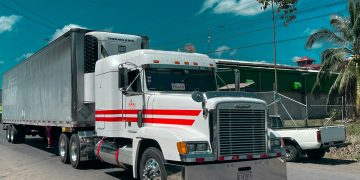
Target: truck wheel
(152, 165)
(8, 129)
(315, 154)
(64, 148)
(13, 134)
(21, 134)
(74, 150)
(291, 153)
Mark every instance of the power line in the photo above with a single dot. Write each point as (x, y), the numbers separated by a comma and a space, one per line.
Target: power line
(267, 28)
(37, 14)
(28, 17)
(260, 20)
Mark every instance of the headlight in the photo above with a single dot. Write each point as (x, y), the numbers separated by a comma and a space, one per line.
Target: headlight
(192, 147)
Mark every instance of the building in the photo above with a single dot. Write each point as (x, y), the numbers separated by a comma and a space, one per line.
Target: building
(293, 81)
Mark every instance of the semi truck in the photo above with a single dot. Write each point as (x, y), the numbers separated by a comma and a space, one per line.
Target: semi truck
(105, 96)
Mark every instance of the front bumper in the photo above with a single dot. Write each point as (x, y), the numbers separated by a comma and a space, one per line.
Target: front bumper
(273, 168)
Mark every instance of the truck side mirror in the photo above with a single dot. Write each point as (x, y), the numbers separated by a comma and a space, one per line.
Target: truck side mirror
(123, 79)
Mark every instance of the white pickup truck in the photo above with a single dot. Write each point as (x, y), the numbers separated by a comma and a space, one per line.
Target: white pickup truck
(312, 141)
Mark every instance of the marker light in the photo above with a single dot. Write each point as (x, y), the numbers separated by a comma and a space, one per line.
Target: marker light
(156, 61)
(177, 62)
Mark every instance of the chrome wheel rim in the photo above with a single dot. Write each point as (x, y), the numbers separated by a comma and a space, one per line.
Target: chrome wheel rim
(289, 152)
(62, 147)
(73, 152)
(151, 170)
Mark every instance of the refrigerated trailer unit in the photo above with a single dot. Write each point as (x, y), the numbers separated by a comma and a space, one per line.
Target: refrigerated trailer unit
(48, 88)
(105, 96)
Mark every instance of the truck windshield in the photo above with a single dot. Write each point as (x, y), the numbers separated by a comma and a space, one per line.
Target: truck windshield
(166, 79)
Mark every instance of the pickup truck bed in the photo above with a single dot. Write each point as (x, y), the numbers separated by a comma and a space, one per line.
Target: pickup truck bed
(312, 141)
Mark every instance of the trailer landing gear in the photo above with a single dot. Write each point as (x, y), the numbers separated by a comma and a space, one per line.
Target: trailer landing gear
(49, 134)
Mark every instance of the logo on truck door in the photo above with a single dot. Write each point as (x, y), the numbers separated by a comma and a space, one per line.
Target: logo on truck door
(131, 104)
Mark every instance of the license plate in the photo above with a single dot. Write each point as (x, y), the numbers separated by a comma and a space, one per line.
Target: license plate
(245, 175)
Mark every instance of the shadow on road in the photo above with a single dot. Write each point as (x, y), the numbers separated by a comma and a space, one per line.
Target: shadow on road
(326, 161)
(40, 143)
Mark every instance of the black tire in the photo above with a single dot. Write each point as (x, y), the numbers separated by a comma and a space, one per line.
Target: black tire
(152, 155)
(63, 147)
(21, 134)
(74, 151)
(315, 154)
(291, 153)
(13, 134)
(8, 133)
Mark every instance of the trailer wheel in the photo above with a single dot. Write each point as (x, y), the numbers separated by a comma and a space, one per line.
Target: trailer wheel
(21, 134)
(315, 154)
(8, 129)
(13, 134)
(74, 150)
(64, 148)
(152, 165)
(291, 153)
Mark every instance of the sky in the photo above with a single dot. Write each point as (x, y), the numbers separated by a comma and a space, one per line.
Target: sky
(239, 29)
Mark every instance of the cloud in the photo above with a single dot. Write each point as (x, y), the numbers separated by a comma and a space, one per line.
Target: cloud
(225, 49)
(7, 22)
(236, 7)
(65, 29)
(295, 58)
(24, 56)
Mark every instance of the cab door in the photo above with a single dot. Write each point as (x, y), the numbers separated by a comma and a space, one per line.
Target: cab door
(133, 101)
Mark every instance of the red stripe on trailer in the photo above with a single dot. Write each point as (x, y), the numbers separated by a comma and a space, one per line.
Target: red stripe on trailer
(249, 156)
(187, 122)
(176, 112)
(173, 112)
(221, 158)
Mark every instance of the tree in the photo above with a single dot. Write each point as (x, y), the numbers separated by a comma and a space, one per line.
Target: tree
(343, 57)
(285, 8)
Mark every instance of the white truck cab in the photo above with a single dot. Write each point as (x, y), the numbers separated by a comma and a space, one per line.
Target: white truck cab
(165, 108)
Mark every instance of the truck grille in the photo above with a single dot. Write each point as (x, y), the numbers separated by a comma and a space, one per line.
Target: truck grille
(241, 131)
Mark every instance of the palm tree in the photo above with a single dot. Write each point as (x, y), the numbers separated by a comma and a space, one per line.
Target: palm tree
(344, 57)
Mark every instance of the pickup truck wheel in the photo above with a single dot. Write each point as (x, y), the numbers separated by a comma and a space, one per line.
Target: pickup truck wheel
(315, 154)
(75, 151)
(291, 153)
(152, 165)
(64, 148)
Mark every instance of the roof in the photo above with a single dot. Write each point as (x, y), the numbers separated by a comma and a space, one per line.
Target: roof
(305, 58)
(261, 65)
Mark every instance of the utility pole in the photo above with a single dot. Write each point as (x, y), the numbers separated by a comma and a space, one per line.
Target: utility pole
(275, 65)
(209, 39)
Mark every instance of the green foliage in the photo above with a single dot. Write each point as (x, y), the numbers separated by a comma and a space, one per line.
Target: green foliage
(344, 57)
(285, 8)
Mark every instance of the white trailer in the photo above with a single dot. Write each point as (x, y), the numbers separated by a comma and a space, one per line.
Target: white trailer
(156, 112)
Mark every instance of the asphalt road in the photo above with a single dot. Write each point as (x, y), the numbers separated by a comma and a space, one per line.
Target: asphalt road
(33, 161)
